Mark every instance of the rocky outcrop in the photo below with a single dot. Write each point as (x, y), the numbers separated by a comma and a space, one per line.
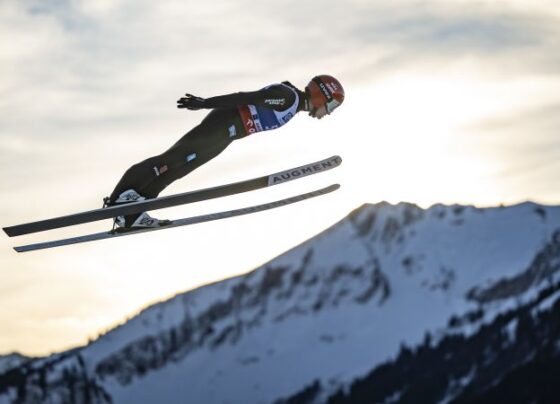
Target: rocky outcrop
(545, 264)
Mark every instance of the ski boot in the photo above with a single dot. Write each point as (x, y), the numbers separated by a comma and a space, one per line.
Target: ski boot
(135, 221)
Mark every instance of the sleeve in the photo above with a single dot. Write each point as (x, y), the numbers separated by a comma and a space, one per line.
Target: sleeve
(276, 97)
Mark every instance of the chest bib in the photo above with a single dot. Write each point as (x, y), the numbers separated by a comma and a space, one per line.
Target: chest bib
(258, 118)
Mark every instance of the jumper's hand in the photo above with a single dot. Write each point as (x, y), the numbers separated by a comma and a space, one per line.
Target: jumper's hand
(191, 102)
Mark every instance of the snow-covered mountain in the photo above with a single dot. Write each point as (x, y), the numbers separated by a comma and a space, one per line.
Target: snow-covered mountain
(11, 361)
(368, 299)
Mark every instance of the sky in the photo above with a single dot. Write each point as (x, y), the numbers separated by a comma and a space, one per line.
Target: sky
(449, 102)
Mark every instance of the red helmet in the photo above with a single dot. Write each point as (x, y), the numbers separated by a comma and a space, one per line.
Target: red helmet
(325, 90)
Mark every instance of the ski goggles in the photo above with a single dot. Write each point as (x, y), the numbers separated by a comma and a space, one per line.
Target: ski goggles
(332, 105)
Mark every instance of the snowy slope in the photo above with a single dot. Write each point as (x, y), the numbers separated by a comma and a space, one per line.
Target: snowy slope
(327, 310)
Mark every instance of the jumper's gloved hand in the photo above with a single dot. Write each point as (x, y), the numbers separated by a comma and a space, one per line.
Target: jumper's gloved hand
(191, 102)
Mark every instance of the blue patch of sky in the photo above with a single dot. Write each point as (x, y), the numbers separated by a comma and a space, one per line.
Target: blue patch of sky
(63, 11)
(484, 32)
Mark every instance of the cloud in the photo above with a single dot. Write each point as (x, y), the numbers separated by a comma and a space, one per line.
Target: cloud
(111, 41)
(525, 146)
(75, 69)
(500, 39)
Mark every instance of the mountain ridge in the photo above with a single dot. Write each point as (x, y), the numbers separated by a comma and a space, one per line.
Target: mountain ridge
(369, 277)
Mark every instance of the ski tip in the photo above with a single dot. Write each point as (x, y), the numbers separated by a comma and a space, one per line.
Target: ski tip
(331, 188)
(335, 160)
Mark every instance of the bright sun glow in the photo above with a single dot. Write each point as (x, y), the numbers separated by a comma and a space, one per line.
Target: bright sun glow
(420, 138)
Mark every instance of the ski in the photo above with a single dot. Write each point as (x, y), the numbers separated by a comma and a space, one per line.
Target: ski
(179, 222)
(177, 199)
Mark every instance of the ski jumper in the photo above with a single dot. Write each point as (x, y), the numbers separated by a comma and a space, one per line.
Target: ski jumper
(233, 117)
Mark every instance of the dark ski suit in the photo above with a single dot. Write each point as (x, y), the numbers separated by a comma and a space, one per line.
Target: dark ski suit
(233, 116)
